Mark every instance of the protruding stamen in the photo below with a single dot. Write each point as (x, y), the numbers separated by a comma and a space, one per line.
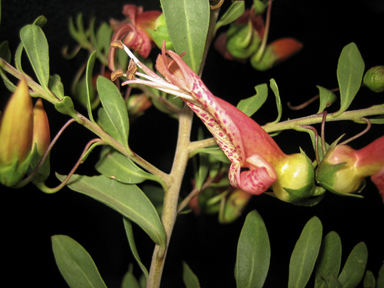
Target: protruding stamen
(116, 74)
(117, 44)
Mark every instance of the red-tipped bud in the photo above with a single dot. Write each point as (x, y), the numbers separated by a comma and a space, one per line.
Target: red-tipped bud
(234, 206)
(137, 104)
(275, 53)
(343, 169)
(41, 133)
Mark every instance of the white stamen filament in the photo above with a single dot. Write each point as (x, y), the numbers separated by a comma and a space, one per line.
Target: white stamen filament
(155, 80)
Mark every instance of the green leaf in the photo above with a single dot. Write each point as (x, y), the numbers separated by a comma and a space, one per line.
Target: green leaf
(234, 11)
(116, 115)
(132, 245)
(65, 106)
(103, 37)
(5, 53)
(350, 70)
(334, 283)
(36, 45)
(253, 253)
(88, 77)
(75, 264)
(8, 83)
(187, 22)
(129, 280)
(40, 21)
(214, 151)
(156, 195)
(304, 254)
(369, 280)
(275, 90)
(250, 105)
(327, 97)
(56, 86)
(354, 267)
(126, 199)
(190, 279)
(380, 278)
(18, 53)
(115, 165)
(329, 260)
(201, 168)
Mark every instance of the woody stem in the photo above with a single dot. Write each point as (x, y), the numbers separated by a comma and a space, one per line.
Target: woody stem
(171, 196)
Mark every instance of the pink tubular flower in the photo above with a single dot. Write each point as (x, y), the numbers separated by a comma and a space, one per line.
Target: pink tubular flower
(257, 161)
(343, 169)
(135, 34)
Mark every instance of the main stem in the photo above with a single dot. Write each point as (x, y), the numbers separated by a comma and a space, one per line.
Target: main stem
(171, 196)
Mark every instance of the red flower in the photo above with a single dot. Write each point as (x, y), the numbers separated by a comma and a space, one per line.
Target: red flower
(257, 161)
(135, 34)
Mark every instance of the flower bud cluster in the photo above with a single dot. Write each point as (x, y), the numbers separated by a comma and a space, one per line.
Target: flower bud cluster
(24, 135)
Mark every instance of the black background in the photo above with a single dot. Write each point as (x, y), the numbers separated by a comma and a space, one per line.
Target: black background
(30, 217)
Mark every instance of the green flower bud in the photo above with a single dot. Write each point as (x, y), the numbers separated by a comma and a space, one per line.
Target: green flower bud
(296, 180)
(234, 206)
(242, 40)
(374, 79)
(161, 33)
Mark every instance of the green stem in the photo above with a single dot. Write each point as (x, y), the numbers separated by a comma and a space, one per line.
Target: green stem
(171, 196)
(163, 178)
(354, 115)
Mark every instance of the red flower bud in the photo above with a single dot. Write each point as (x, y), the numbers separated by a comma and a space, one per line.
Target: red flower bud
(41, 133)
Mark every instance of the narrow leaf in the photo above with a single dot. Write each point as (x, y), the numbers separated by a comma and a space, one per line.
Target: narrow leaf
(190, 279)
(115, 110)
(380, 278)
(128, 200)
(187, 22)
(234, 11)
(329, 260)
(65, 106)
(5, 53)
(304, 254)
(279, 107)
(88, 77)
(56, 86)
(201, 171)
(369, 280)
(354, 267)
(132, 245)
(350, 70)
(250, 105)
(36, 45)
(327, 97)
(214, 151)
(253, 253)
(115, 165)
(103, 37)
(75, 264)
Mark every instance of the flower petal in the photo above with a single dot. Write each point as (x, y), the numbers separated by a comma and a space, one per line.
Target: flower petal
(378, 179)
